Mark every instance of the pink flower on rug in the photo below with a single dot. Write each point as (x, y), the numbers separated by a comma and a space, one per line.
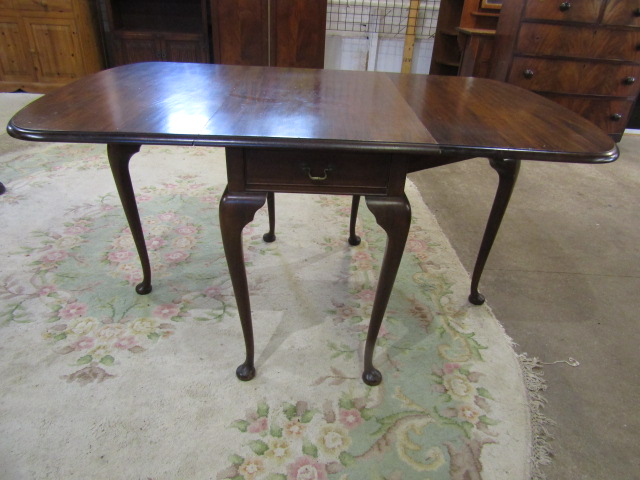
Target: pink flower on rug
(76, 230)
(84, 343)
(214, 292)
(125, 343)
(451, 367)
(168, 310)
(120, 256)
(187, 230)
(167, 216)
(47, 290)
(55, 256)
(259, 425)
(367, 295)
(176, 257)
(361, 255)
(155, 243)
(306, 468)
(210, 199)
(143, 198)
(72, 310)
(416, 245)
(350, 418)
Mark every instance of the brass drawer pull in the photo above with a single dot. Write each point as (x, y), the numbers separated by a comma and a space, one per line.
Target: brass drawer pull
(528, 73)
(629, 80)
(307, 170)
(564, 6)
(616, 117)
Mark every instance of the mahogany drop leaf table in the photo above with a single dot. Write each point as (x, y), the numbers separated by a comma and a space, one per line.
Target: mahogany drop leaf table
(313, 131)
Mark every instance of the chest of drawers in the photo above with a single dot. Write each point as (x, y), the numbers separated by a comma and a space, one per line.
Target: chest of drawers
(583, 54)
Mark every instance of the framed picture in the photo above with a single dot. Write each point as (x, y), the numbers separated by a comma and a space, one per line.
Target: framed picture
(495, 4)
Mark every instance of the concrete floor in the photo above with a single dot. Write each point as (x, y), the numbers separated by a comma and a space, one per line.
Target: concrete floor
(564, 280)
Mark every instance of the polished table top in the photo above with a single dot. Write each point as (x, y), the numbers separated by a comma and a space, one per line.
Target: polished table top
(223, 105)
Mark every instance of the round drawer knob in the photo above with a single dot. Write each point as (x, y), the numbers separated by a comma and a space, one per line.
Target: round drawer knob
(629, 80)
(528, 73)
(616, 117)
(564, 6)
(636, 12)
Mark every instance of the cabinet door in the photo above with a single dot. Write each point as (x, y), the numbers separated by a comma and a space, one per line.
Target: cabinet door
(298, 33)
(184, 48)
(16, 63)
(136, 47)
(56, 44)
(240, 31)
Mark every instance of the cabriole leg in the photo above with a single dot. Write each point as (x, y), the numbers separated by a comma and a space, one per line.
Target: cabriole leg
(353, 238)
(236, 211)
(119, 156)
(393, 214)
(508, 174)
(270, 236)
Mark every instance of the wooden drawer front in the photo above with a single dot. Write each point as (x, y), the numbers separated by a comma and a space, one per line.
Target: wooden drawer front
(583, 42)
(570, 11)
(622, 12)
(566, 76)
(45, 5)
(290, 171)
(602, 112)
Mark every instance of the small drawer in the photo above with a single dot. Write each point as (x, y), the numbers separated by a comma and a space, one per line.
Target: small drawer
(45, 5)
(586, 11)
(567, 76)
(580, 42)
(622, 12)
(300, 171)
(611, 116)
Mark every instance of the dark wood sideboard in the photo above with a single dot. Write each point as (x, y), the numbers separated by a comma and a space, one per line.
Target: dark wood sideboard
(583, 54)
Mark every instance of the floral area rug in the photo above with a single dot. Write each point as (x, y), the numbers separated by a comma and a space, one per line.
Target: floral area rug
(97, 382)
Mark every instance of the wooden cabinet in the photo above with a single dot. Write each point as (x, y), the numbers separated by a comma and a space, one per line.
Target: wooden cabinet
(583, 54)
(154, 30)
(46, 44)
(284, 33)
